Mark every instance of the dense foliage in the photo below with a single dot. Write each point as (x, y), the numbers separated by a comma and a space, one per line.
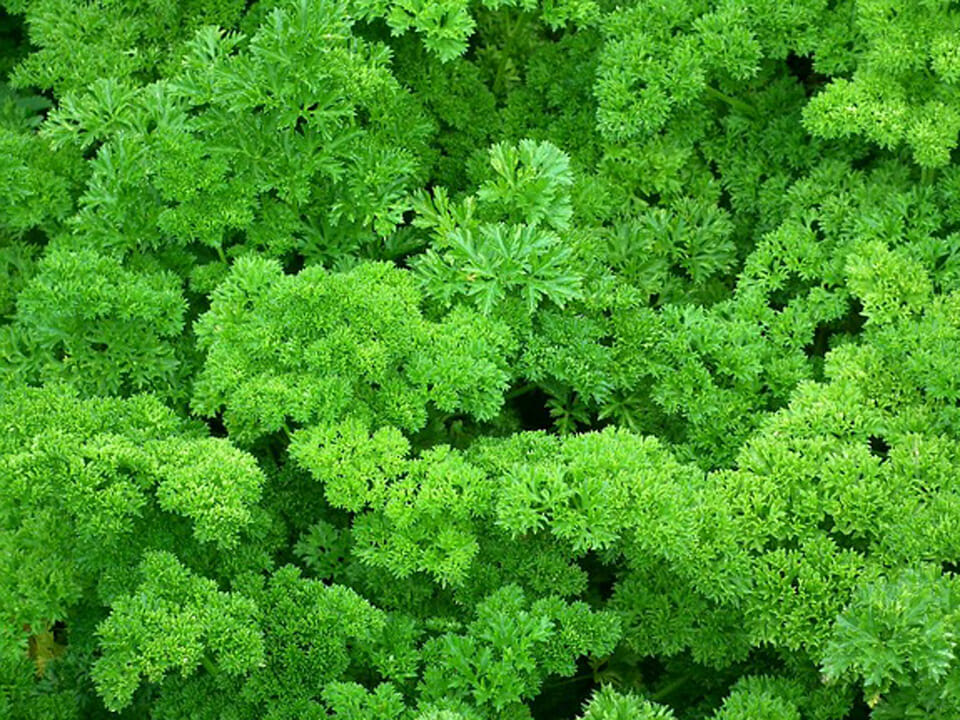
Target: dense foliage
(479, 359)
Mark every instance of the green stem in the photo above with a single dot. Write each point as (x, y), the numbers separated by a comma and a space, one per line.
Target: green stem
(508, 38)
(568, 681)
(209, 666)
(668, 689)
(447, 417)
(521, 21)
(927, 174)
(737, 104)
(522, 390)
(223, 258)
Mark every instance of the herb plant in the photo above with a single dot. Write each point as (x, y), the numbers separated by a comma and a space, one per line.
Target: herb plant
(479, 359)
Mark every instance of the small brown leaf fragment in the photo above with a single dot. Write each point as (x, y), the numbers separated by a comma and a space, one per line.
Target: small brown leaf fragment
(44, 648)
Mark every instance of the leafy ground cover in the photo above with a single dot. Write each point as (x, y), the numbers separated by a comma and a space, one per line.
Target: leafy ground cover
(479, 359)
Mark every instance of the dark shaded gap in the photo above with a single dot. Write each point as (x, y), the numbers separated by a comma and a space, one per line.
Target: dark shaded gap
(531, 408)
(14, 43)
(860, 711)
(603, 578)
(60, 634)
(294, 263)
(879, 447)
(843, 540)
(849, 325)
(564, 698)
(217, 428)
(802, 68)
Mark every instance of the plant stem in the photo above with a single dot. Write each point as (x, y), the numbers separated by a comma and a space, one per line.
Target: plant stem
(669, 688)
(568, 681)
(209, 666)
(522, 390)
(737, 104)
